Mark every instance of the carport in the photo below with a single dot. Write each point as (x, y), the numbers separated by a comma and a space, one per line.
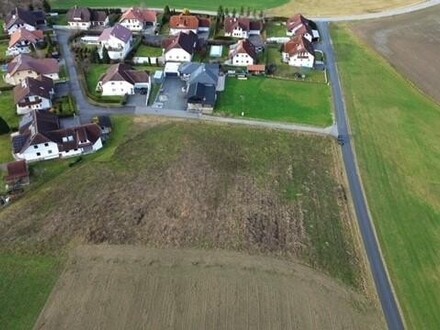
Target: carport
(172, 69)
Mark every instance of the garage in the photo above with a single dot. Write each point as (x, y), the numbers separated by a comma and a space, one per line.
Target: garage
(171, 69)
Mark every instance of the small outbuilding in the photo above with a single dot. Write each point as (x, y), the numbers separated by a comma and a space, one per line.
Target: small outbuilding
(17, 173)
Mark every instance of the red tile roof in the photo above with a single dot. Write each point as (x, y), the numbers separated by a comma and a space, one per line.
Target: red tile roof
(298, 45)
(143, 15)
(40, 65)
(244, 47)
(16, 171)
(184, 22)
(25, 35)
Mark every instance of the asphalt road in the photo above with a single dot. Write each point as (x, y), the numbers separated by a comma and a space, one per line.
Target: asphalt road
(380, 275)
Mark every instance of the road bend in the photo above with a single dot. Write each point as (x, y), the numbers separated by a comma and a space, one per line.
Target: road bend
(382, 281)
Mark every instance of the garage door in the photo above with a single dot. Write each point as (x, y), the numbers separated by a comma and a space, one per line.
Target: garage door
(171, 74)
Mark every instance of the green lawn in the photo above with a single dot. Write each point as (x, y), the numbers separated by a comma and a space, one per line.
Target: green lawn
(191, 4)
(25, 284)
(275, 29)
(396, 131)
(8, 109)
(278, 100)
(148, 51)
(93, 74)
(3, 47)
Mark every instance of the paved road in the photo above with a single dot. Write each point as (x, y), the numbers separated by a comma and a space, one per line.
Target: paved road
(86, 110)
(380, 275)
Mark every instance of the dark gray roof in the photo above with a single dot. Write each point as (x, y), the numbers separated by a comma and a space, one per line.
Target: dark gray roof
(118, 31)
(200, 93)
(83, 14)
(186, 41)
(42, 87)
(21, 16)
(205, 74)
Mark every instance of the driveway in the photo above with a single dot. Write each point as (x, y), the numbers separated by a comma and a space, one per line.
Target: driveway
(171, 94)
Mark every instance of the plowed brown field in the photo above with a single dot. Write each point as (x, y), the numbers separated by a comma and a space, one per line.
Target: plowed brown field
(411, 43)
(116, 287)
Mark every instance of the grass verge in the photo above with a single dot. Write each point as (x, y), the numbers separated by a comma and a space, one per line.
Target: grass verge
(395, 128)
(278, 100)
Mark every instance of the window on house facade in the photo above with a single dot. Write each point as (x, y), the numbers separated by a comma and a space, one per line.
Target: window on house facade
(35, 147)
(46, 144)
(38, 154)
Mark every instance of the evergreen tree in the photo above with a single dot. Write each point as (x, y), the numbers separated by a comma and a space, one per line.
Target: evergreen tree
(248, 11)
(166, 12)
(254, 13)
(46, 6)
(226, 11)
(31, 7)
(105, 57)
(4, 127)
(234, 12)
(95, 55)
(261, 14)
(241, 11)
(220, 12)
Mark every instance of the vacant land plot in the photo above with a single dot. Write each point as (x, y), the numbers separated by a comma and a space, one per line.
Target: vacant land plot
(278, 100)
(8, 113)
(325, 8)
(93, 74)
(396, 130)
(411, 43)
(148, 51)
(203, 186)
(190, 289)
(25, 284)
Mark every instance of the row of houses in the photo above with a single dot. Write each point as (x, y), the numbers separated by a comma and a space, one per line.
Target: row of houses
(40, 135)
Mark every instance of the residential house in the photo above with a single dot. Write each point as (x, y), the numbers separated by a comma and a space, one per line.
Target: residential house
(82, 18)
(41, 137)
(24, 66)
(299, 52)
(187, 23)
(23, 41)
(202, 85)
(33, 94)
(22, 18)
(180, 48)
(121, 79)
(137, 19)
(298, 25)
(17, 173)
(117, 40)
(242, 27)
(243, 53)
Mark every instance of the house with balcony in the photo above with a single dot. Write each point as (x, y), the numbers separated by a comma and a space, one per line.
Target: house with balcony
(21, 18)
(23, 41)
(299, 52)
(117, 40)
(33, 94)
(138, 19)
(242, 27)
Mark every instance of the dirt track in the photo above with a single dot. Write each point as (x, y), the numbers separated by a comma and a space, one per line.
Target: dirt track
(411, 43)
(121, 287)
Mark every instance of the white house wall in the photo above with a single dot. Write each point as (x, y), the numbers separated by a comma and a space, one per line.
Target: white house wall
(177, 55)
(112, 88)
(80, 25)
(43, 105)
(176, 31)
(242, 59)
(42, 151)
(15, 27)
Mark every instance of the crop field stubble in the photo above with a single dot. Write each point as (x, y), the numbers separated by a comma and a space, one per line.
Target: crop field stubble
(194, 289)
(411, 43)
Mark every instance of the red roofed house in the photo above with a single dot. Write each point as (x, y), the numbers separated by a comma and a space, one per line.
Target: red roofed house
(299, 52)
(121, 79)
(180, 48)
(18, 173)
(242, 27)
(137, 19)
(24, 41)
(298, 25)
(23, 66)
(243, 53)
(41, 137)
(186, 23)
(33, 94)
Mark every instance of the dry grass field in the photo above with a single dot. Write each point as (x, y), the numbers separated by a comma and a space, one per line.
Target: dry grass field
(411, 43)
(120, 287)
(324, 8)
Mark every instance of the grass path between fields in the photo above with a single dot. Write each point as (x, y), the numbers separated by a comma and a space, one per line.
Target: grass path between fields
(395, 129)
